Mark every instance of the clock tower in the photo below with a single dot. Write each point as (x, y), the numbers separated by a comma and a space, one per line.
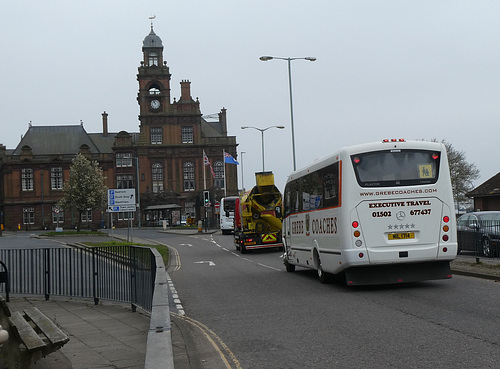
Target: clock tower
(154, 85)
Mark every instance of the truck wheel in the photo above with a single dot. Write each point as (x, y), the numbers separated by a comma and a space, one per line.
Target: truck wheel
(243, 249)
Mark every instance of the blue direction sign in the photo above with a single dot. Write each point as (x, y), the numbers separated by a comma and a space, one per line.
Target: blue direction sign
(121, 208)
(121, 200)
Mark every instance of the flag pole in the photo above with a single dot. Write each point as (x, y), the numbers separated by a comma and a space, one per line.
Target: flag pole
(224, 173)
(204, 172)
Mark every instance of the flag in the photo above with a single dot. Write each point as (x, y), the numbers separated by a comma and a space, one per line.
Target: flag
(229, 159)
(205, 160)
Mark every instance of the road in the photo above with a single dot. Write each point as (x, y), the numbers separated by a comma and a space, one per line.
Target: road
(269, 318)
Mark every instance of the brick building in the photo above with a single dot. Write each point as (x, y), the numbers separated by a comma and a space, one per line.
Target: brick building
(487, 195)
(163, 161)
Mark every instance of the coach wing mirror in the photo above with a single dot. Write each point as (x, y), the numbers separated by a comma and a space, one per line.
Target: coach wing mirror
(473, 225)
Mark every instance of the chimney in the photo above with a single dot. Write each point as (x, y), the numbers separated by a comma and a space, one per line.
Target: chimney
(223, 121)
(105, 124)
(186, 90)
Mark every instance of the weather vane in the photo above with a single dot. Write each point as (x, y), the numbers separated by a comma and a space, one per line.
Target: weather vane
(151, 18)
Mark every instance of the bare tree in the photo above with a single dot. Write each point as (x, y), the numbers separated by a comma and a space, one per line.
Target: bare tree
(462, 172)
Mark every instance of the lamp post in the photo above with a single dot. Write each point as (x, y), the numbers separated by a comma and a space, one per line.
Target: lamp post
(242, 172)
(138, 189)
(308, 58)
(262, 130)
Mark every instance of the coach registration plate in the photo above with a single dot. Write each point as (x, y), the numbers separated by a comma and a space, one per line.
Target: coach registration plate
(401, 236)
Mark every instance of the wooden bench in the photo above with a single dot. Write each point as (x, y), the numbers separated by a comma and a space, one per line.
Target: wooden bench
(32, 335)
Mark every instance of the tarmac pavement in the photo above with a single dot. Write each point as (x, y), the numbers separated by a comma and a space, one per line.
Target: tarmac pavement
(110, 335)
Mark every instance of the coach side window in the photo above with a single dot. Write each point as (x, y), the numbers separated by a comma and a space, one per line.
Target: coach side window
(292, 198)
(330, 176)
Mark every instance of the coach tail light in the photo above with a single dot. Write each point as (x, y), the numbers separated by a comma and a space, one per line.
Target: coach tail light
(386, 140)
(356, 233)
(446, 228)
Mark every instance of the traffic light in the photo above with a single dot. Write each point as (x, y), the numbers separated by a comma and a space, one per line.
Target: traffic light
(206, 198)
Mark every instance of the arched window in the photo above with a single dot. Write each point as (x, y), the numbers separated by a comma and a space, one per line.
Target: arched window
(188, 176)
(157, 171)
(153, 59)
(219, 174)
(154, 90)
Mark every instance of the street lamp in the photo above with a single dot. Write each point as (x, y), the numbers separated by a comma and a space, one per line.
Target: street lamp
(309, 58)
(262, 130)
(242, 172)
(138, 189)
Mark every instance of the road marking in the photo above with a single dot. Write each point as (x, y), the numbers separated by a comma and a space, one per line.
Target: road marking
(176, 257)
(211, 336)
(185, 244)
(270, 267)
(177, 301)
(210, 263)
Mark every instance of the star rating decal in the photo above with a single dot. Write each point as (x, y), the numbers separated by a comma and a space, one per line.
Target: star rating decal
(401, 226)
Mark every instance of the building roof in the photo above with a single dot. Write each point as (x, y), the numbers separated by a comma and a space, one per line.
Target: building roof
(489, 188)
(152, 40)
(211, 129)
(62, 140)
(104, 143)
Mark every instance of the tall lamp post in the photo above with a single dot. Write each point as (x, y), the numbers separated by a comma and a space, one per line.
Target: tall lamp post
(262, 130)
(242, 171)
(138, 189)
(308, 58)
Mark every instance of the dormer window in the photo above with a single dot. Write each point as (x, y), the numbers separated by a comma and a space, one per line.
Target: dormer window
(153, 59)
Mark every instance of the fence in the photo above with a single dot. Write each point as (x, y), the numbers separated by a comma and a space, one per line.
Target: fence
(118, 273)
(480, 238)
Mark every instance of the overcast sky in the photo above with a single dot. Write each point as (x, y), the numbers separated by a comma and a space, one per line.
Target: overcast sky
(385, 69)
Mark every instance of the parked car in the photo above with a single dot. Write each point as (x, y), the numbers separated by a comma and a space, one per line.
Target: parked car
(479, 232)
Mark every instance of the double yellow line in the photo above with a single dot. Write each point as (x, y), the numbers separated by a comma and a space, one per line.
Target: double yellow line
(226, 355)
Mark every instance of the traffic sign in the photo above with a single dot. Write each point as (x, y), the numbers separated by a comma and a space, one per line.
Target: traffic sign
(121, 200)
(125, 196)
(121, 208)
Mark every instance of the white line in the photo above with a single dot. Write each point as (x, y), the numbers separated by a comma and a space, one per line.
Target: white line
(270, 267)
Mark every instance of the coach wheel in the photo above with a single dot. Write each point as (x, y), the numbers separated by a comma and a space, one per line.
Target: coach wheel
(289, 267)
(321, 273)
(486, 247)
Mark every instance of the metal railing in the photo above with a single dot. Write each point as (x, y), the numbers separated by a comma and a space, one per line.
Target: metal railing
(117, 273)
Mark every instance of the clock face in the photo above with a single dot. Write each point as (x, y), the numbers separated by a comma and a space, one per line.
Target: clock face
(155, 104)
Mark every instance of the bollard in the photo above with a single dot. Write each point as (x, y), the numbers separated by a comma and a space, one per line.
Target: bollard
(200, 226)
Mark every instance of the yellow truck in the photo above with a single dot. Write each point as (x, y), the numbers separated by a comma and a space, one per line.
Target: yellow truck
(258, 216)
